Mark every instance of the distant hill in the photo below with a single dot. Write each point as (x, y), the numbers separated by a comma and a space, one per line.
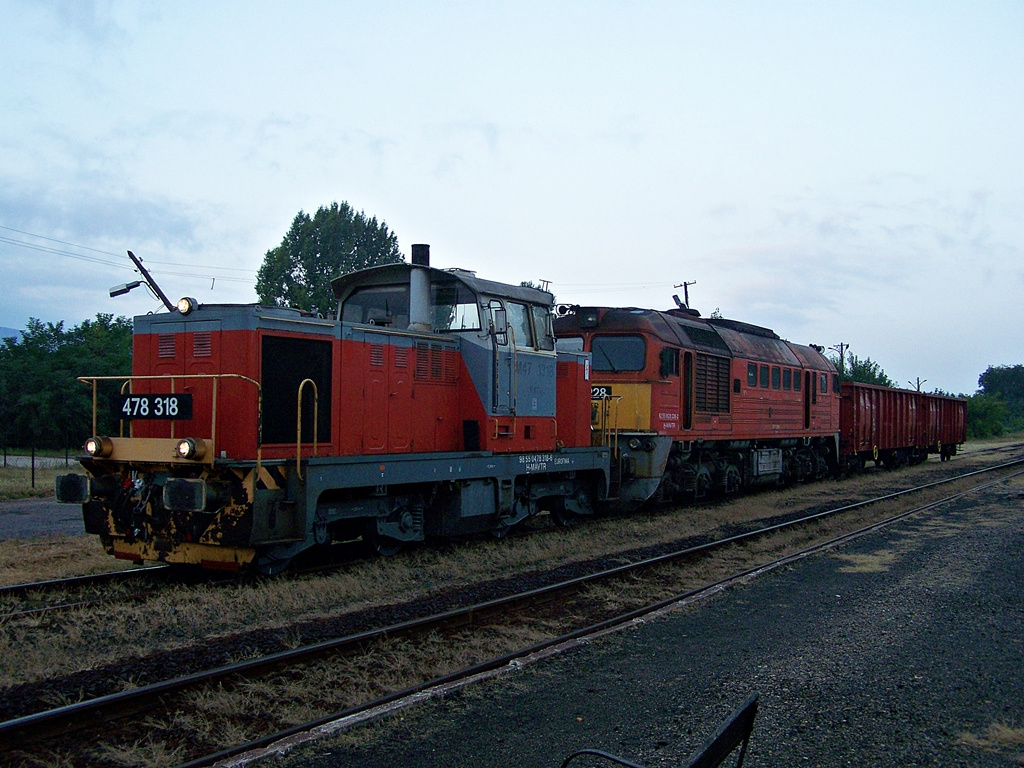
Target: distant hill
(8, 332)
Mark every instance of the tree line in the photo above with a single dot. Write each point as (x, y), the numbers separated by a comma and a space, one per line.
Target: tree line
(42, 403)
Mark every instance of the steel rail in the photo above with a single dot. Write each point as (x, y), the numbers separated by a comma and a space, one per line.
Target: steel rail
(101, 710)
(88, 580)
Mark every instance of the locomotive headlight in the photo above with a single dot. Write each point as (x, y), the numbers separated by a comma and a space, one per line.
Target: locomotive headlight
(99, 447)
(634, 443)
(186, 305)
(190, 448)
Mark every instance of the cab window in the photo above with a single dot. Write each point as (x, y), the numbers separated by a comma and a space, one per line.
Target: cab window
(378, 305)
(453, 307)
(542, 327)
(519, 324)
(618, 353)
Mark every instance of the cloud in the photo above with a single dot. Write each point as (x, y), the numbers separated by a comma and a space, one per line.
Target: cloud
(93, 20)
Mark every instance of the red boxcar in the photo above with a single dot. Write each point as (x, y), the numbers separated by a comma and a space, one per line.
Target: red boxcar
(895, 427)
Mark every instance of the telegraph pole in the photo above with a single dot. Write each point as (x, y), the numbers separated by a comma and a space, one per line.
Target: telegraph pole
(920, 381)
(686, 291)
(841, 348)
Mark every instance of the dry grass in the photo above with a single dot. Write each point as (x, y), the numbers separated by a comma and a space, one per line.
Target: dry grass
(53, 557)
(16, 482)
(875, 562)
(996, 738)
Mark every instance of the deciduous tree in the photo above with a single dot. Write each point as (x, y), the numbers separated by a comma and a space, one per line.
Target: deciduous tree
(865, 371)
(335, 240)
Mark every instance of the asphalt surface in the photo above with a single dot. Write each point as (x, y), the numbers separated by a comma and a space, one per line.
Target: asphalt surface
(33, 518)
(903, 648)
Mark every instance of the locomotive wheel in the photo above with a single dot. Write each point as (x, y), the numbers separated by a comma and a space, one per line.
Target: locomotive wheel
(564, 518)
(383, 546)
(269, 565)
(701, 483)
(733, 479)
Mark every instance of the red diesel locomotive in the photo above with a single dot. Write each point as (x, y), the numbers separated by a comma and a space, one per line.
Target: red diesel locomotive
(434, 404)
(731, 404)
(437, 404)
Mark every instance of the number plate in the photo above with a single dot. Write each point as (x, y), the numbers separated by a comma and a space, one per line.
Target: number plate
(153, 407)
(600, 392)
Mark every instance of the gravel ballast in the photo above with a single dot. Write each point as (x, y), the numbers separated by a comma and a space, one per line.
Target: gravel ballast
(903, 648)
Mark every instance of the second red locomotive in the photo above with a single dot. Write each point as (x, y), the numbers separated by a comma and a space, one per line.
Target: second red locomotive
(722, 404)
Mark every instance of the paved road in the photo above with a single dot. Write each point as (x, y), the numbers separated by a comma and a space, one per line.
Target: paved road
(30, 518)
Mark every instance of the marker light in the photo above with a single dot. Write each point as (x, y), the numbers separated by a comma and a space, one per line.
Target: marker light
(99, 447)
(191, 448)
(187, 304)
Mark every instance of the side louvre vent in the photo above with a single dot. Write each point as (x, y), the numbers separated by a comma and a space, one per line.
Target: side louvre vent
(377, 354)
(202, 344)
(435, 362)
(166, 346)
(712, 384)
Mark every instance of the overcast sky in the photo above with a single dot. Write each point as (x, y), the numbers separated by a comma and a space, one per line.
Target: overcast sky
(842, 172)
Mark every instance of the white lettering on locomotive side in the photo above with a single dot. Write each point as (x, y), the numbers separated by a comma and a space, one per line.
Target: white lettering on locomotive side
(542, 462)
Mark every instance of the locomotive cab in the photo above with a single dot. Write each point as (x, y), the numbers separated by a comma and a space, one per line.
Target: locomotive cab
(491, 344)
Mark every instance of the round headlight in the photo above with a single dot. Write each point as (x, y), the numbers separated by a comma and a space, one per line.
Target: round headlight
(190, 448)
(187, 304)
(99, 447)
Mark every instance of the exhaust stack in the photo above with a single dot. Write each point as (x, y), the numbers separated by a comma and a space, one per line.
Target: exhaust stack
(419, 289)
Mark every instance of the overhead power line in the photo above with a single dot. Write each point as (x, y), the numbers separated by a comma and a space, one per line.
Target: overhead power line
(120, 263)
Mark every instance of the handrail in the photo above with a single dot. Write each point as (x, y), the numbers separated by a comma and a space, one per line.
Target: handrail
(298, 423)
(216, 377)
(609, 435)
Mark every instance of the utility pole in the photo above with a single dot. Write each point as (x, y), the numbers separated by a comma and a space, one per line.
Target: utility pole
(920, 381)
(841, 348)
(686, 292)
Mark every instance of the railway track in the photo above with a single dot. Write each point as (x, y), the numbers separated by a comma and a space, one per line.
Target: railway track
(34, 598)
(539, 617)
